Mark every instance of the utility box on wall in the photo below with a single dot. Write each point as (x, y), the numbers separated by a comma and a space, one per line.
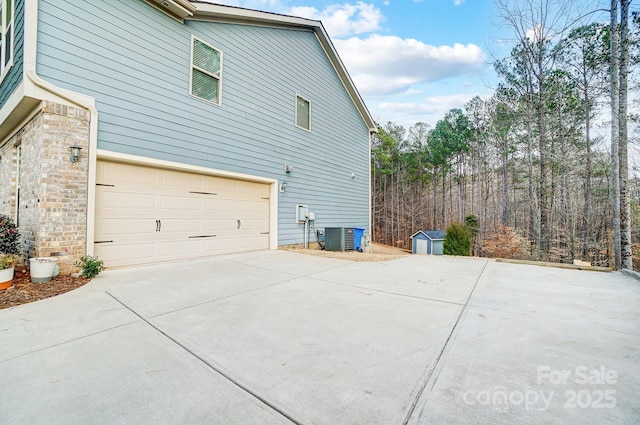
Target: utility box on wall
(301, 213)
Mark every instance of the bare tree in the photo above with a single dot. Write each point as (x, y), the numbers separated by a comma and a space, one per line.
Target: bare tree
(625, 208)
(535, 25)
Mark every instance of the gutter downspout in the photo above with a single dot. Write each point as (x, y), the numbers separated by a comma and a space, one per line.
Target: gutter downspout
(85, 102)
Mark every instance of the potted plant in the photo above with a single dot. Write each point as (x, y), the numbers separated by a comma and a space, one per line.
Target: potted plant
(42, 269)
(9, 238)
(7, 267)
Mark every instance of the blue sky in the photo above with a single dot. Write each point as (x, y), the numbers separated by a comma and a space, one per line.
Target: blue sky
(411, 60)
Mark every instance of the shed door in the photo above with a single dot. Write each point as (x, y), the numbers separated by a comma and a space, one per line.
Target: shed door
(147, 215)
(421, 246)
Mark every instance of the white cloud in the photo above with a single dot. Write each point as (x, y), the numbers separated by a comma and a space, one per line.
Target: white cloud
(458, 2)
(433, 105)
(344, 19)
(412, 92)
(384, 65)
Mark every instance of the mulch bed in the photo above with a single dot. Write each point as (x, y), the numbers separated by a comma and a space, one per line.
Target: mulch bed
(23, 291)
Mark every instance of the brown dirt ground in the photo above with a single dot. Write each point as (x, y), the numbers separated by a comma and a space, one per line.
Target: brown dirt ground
(23, 291)
(378, 253)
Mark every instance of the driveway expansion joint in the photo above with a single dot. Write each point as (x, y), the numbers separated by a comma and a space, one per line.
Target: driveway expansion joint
(211, 366)
(432, 375)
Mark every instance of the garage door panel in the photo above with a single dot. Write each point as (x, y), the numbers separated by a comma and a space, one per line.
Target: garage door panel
(219, 185)
(180, 226)
(154, 215)
(175, 180)
(185, 204)
(124, 228)
(258, 189)
(221, 207)
(217, 225)
(124, 175)
(180, 249)
(124, 202)
(255, 224)
(255, 242)
(221, 245)
(254, 208)
(121, 254)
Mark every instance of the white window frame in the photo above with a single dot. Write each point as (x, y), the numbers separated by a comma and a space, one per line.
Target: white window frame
(296, 113)
(5, 65)
(217, 77)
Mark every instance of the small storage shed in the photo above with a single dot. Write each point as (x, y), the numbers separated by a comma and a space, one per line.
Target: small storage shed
(428, 242)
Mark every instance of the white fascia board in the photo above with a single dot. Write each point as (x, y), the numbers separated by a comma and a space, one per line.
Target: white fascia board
(221, 13)
(177, 9)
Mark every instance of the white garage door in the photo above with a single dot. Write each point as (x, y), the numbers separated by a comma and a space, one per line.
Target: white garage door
(148, 215)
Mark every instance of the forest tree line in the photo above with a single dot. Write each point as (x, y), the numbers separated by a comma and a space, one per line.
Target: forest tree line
(544, 156)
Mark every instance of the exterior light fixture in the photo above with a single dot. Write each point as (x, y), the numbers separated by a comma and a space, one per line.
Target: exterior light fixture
(283, 186)
(75, 153)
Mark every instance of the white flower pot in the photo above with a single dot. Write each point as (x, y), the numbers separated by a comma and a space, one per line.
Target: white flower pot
(42, 269)
(6, 277)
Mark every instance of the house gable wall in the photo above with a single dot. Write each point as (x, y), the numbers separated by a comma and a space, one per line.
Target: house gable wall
(135, 61)
(15, 75)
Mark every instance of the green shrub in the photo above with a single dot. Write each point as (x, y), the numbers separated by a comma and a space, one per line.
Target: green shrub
(7, 261)
(90, 267)
(9, 236)
(471, 221)
(457, 241)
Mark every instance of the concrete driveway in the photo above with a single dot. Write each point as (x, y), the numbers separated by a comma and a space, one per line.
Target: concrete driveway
(276, 337)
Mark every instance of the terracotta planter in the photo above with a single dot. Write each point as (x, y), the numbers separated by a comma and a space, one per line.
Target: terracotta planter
(42, 269)
(6, 277)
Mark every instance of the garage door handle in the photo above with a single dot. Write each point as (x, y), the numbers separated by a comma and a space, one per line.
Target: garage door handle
(158, 225)
(239, 224)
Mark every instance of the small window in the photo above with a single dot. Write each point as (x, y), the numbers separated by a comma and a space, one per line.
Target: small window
(7, 13)
(303, 113)
(206, 71)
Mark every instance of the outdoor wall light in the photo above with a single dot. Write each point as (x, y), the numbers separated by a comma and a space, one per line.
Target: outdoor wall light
(75, 153)
(283, 186)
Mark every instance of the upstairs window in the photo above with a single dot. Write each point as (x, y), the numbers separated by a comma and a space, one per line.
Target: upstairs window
(7, 13)
(206, 71)
(303, 113)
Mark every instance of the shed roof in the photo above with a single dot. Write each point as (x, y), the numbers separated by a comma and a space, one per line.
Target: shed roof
(435, 235)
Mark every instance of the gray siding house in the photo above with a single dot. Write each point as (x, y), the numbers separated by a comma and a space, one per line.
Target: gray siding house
(201, 127)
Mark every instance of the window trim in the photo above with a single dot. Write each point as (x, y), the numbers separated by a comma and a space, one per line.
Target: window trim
(4, 69)
(296, 112)
(217, 77)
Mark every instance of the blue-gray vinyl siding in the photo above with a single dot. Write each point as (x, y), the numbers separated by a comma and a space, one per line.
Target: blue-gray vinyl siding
(14, 77)
(136, 62)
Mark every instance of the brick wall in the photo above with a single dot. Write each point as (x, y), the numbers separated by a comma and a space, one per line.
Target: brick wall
(52, 211)
(8, 160)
